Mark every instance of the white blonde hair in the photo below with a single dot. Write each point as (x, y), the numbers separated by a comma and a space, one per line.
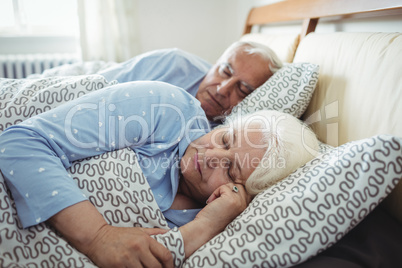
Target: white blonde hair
(288, 141)
(256, 48)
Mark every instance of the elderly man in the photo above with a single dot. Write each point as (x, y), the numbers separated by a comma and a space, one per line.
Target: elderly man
(242, 68)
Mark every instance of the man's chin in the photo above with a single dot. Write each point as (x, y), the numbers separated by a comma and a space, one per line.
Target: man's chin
(211, 117)
(211, 112)
(217, 119)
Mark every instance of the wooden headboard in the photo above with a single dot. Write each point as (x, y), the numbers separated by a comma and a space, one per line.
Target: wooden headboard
(310, 11)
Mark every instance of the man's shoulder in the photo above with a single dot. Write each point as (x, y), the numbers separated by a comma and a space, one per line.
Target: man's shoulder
(177, 55)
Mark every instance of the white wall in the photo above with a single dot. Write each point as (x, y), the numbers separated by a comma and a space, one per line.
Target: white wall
(203, 27)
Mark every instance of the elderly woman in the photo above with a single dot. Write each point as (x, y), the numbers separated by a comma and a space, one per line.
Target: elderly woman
(187, 166)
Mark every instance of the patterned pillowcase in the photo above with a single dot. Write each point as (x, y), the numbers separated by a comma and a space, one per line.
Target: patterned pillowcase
(289, 90)
(310, 210)
(23, 98)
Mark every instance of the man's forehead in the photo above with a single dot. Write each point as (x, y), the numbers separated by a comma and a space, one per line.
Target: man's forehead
(230, 55)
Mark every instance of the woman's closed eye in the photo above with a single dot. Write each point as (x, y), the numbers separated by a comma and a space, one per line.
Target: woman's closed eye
(229, 164)
(225, 140)
(230, 175)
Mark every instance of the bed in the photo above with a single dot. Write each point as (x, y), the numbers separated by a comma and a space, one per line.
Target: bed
(343, 208)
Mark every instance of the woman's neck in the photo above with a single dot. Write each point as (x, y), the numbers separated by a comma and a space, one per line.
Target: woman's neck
(181, 202)
(183, 198)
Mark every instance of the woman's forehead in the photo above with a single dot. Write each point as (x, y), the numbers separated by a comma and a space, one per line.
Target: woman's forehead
(240, 136)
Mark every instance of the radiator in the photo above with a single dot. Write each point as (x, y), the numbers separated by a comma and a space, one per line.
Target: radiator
(22, 65)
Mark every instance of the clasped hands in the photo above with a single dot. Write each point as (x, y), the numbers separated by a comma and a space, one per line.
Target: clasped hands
(109, 246)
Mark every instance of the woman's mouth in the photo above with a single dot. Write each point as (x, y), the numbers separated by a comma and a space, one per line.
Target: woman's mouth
(196, 163)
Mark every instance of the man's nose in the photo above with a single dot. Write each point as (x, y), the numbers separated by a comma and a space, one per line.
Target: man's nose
(216, 157)
(226, 87)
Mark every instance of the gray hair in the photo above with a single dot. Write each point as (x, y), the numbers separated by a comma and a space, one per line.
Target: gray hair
(288, 141)
(259, 49)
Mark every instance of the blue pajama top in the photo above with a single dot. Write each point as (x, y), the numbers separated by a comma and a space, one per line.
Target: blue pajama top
(156, 120)
(173, 66)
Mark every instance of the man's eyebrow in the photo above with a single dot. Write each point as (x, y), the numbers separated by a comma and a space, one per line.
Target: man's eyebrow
(249, 87)
(232, 71)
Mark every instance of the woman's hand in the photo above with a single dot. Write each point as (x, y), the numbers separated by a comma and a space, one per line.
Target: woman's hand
(223, 206)
(107, 246)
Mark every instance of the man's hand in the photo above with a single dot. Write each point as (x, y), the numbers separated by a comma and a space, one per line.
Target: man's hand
(128, 247)
(107, 246)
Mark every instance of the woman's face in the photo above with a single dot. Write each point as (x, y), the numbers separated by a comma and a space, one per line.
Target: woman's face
(224, 155)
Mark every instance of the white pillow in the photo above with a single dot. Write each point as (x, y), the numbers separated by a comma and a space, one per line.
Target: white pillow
(289, 90)
(23, 98)
(309, 210)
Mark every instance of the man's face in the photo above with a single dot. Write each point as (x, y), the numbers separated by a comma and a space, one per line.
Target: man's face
(230, 80)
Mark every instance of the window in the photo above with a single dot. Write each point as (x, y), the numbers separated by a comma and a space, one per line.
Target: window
(38, 17)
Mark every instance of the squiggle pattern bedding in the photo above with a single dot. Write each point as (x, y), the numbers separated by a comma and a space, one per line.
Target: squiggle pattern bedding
(23, 98)
(283, 226)
(309, 210)
(114, 183)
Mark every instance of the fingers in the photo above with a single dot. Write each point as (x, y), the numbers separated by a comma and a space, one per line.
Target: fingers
(157, 250)
(229, 190)
(214, 195)
(154, 231)
(217, 193)
(130, 247)
(149, 253)
(162, 254)
(238, 193)
(242, 191)
(225, 205)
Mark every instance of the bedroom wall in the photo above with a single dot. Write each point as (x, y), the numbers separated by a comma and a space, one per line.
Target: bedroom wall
(207, 27)
(203, 27)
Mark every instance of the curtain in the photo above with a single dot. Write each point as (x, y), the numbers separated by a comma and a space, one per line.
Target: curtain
(108, 29)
